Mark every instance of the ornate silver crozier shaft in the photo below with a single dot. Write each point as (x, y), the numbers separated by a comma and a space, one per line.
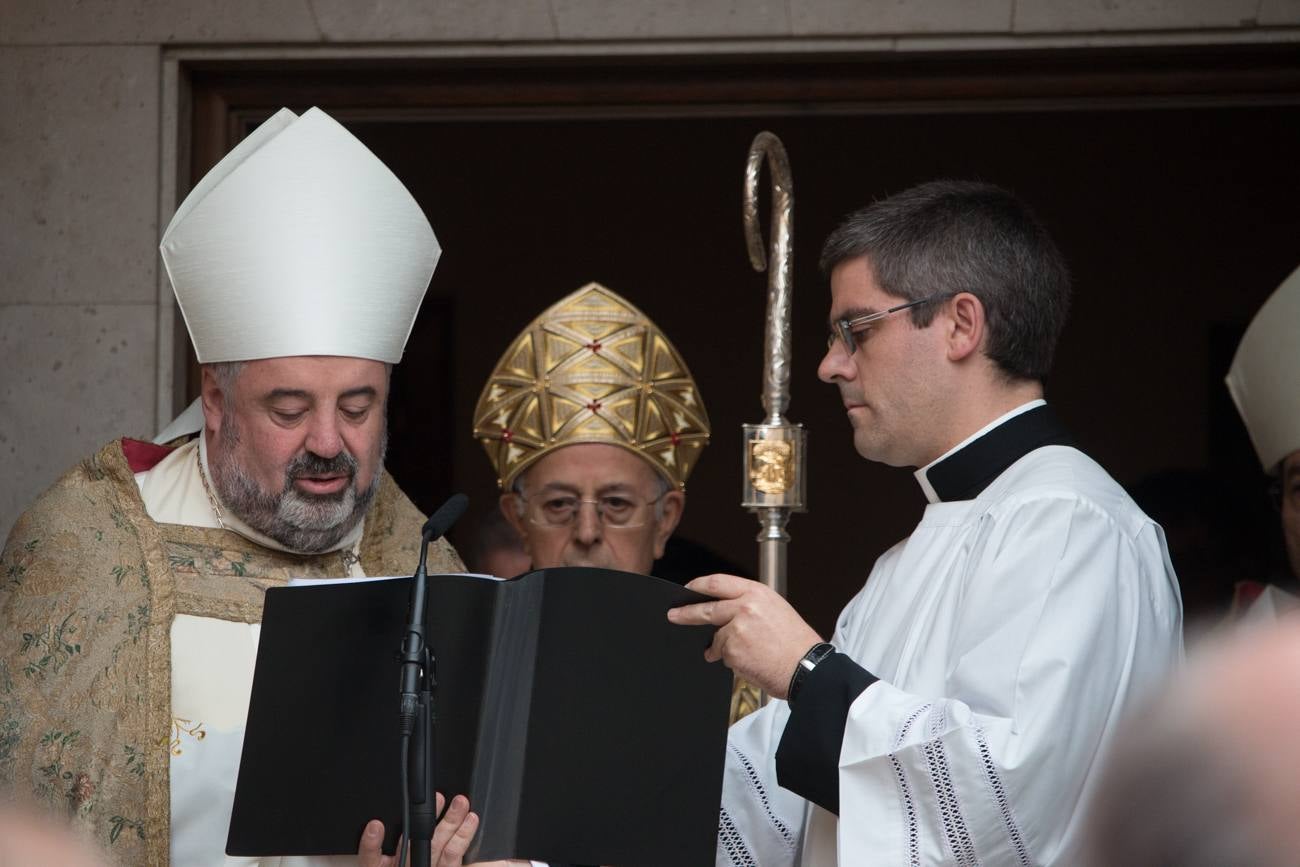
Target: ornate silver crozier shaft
(774, 451)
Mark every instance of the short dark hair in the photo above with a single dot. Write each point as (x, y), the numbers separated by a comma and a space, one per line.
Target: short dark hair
(945, 237)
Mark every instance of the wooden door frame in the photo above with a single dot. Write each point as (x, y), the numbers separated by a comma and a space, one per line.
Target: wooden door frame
(211, 98)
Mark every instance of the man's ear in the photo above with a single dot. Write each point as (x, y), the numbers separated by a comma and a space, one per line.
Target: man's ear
(509, 504)
(966, 326)
(212, 398)
(674, 503)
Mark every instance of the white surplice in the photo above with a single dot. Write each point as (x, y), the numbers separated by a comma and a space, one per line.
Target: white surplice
(1009, 633)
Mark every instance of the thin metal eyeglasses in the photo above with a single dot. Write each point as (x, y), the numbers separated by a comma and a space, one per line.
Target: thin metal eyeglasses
(616, 511)
(848, 329)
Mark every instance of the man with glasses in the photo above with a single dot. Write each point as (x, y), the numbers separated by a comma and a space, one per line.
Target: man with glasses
(593, 423)
(958, 712)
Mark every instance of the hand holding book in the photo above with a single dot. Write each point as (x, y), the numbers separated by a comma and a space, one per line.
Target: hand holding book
(451, 839)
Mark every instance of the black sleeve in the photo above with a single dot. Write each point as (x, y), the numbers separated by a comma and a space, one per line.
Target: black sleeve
(808, 757)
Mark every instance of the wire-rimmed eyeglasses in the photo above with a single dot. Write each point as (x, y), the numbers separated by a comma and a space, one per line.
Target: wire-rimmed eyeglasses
(848, 329)
(619, 511)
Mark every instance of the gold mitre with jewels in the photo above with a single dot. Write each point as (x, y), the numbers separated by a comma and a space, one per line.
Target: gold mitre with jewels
(592, 369)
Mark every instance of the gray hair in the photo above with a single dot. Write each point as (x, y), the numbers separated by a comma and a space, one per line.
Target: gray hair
(946, 237)
(225, 373)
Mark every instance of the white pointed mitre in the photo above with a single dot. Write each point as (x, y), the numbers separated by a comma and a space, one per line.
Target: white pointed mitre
(1265, 375)
(299, 242)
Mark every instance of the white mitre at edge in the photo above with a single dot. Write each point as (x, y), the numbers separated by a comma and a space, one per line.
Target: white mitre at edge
(1264, 379)
(299, 242)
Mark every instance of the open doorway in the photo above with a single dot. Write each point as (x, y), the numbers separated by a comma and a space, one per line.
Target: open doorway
(1169, 179)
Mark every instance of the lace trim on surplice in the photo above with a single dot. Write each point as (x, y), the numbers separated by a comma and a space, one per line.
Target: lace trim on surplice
(954, 824)
(760, 792)
(732, 842)
(1003, 802)
(905, 789)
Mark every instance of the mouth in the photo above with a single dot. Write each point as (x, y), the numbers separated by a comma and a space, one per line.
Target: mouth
(323, 484)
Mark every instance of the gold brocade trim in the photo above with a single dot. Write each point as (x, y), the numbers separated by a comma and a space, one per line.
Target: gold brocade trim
(218, 609)
(158, 664)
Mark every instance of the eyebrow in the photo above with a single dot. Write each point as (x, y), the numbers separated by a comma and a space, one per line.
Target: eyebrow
(278, 393)
(603, 489)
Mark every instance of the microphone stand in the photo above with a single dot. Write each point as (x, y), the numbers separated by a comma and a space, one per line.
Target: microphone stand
(416, 723)
(416, 714)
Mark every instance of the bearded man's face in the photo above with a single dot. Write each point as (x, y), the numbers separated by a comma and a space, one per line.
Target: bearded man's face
(296, 445)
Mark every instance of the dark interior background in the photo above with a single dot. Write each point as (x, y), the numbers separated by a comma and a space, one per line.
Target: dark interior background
(1178, 220)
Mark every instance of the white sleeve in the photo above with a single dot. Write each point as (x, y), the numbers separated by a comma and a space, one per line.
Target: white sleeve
(1064, 618)
(760, 823)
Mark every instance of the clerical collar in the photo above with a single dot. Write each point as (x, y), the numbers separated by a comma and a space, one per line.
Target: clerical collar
(969, 467)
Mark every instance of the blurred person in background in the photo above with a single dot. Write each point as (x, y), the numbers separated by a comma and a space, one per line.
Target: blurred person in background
(1208, 775)
(1264, 381)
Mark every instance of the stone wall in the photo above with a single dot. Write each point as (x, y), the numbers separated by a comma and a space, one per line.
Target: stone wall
(84, 110)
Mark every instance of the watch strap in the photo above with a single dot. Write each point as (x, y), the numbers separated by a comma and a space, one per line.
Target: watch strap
(815, 654)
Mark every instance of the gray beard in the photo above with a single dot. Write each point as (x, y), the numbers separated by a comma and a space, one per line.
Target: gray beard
(308, 523)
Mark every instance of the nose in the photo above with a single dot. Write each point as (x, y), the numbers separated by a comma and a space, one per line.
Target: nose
(587, 527)
(323, 435)
(836, 364)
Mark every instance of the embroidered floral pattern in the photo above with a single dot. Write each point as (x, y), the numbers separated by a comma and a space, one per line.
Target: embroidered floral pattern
(120, 823)
(22, 559)
(54, 775)
(192, 559)
(134, 760)
(53, 647)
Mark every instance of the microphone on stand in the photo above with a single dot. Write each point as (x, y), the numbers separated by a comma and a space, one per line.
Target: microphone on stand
(442, 520)
(415, 716)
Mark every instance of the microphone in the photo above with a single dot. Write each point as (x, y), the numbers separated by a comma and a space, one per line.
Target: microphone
(413, 646)
(442, 520)
(415, 703)
(414, 650)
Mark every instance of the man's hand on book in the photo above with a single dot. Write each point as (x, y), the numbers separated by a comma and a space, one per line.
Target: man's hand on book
(760, 636)
(451, 838)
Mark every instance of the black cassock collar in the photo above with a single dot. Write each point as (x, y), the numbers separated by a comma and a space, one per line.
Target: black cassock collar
(966, 472)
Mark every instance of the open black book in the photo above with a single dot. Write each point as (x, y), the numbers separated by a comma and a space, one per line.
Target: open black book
(582, 725)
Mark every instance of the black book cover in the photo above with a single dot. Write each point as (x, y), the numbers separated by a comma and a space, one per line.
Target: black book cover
(583, 726)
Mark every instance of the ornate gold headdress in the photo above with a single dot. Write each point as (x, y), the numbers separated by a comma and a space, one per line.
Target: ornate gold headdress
(591, 369)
